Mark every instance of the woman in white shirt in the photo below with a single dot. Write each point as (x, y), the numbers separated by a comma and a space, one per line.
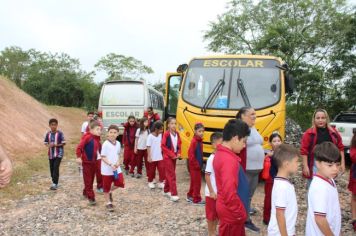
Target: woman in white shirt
(254, 156)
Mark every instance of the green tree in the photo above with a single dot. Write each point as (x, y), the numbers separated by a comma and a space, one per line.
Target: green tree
(55, 79)
(160, 86)
(14, 63)
(316, 39)
(120, 67)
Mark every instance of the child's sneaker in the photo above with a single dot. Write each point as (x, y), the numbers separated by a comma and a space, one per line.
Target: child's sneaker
(174, 198)
(251, 226)
(167, 194)
(265, 222)
(110, 207)
(126, 172)
(160, 185)
(151, 185)
(138, 176)
(92, 202)
(132, 175)
(53, 187)
(201, 203)
(253, 211)
(99, 190)
(189, 199)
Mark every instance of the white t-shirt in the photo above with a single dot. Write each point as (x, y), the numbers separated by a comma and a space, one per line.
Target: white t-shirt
(254, 151)
(323, 200)
(209, 169)
(174, 139)
(112, 153)
(142, 139)
(84, 126)
(283, 197)
(155, 144)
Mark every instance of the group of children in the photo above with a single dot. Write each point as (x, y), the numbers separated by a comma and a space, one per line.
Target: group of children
(223, 173)
(281, 208)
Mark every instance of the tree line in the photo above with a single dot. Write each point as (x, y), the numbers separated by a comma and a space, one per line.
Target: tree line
(316, 38)
(57, 79)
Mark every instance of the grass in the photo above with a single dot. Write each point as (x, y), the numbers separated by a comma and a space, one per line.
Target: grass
(27, 176)
(20, 184)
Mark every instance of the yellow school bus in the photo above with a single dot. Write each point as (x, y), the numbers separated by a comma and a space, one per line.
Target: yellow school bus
(212, 89)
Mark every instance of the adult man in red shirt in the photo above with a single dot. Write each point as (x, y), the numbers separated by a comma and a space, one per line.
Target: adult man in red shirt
(151, 116)
(230, 209)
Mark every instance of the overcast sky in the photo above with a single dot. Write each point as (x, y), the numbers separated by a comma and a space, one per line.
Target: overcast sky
(160, 33)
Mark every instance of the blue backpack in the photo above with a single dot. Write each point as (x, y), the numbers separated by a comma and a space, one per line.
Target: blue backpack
(243, 191)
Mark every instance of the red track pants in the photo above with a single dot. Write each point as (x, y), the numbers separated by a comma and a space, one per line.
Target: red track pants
(152, 171)
(226, 229)
(170, 169)
(129, 158)
(89, 170)
(139, 157)
(195, 185)
(267, 201)
(99, 178)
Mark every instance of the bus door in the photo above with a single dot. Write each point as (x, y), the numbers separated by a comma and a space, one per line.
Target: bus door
(173, 84)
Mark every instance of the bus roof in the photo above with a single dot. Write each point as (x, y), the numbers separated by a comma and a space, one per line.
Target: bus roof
(124, 81)
(232, 56)
(133, 82)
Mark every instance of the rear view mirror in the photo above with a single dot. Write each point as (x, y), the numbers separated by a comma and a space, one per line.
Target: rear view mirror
(354, 130)
(273, 88)
(289, 83)
(182, 68)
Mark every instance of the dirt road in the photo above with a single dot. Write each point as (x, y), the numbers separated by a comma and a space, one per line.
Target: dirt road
(139, 211)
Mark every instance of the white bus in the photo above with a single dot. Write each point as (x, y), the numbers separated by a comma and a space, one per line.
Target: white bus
(120, 99)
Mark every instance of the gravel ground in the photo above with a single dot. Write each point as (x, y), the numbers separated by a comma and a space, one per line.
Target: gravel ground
(139, 211)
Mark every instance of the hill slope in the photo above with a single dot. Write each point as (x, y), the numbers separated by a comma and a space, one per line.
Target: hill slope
(24, 121)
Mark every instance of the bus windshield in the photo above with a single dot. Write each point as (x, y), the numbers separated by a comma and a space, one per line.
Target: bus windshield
(123, 94)
(243, 82)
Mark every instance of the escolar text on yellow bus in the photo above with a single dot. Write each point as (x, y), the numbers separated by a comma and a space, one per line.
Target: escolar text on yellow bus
(233, 63)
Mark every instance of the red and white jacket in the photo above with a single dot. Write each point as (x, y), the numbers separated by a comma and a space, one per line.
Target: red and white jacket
(167, 146)
(308, 143)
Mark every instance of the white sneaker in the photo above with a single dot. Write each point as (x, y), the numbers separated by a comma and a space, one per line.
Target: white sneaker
(160, 185)
(174, 198)
(151, 185)
(167, 194)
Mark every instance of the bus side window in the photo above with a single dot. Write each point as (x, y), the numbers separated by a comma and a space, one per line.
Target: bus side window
(151, 99)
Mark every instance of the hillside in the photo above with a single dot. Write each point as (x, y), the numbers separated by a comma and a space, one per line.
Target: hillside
(24, 121)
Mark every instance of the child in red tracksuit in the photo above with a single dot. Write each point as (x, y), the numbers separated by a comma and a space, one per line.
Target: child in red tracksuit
(171, 148)
(141, 146)
(269, 171)
(352, 182)
(195, 159)
(155, 157)
(229, 206)
(87, 153)
(129, 145)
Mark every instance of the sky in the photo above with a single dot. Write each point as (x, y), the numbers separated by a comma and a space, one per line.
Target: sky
(160, 33)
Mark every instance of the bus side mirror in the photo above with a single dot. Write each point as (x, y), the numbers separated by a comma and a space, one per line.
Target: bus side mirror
(289, 83)
(182, 68)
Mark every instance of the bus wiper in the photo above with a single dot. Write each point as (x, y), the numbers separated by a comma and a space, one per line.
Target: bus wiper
(218, 87)
(241, 87)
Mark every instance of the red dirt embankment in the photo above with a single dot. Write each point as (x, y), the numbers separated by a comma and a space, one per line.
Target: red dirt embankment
(24, 121)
